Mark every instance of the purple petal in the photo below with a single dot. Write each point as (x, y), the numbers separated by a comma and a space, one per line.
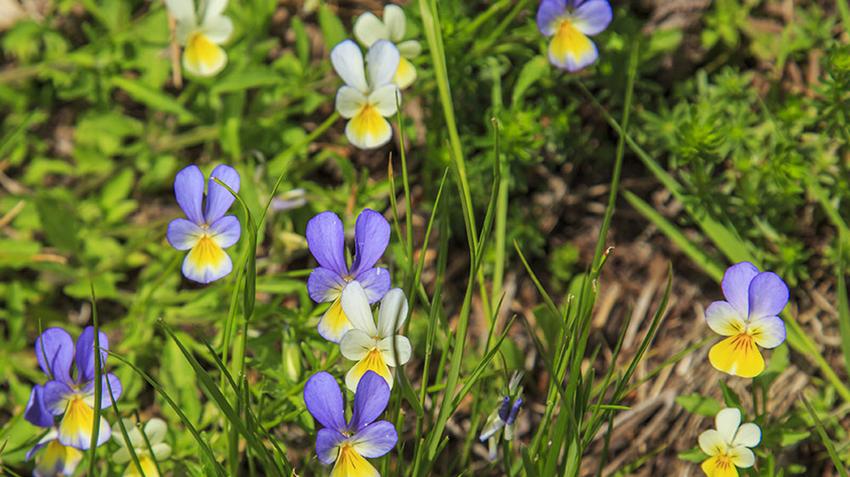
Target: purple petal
(593, 16)
(736, 285)
(54, 395)
(226, 231)
(548, 14)
(220, 199)
(324, 285)
(375, 282)
(768, 295)
(370, 400)
(505, 409)
(327, 445)
(514, 411)
(105, 399)
(324, 401)
(36, 412)
(36, 448)
(54, 350)
(326, 240)
(85, 354)
(183, 234)
(371, 237)
(189, 191)
(375, 439)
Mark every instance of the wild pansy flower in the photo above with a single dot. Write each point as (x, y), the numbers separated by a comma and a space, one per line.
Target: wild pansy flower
(369, 94)
(326, 240)
(748, 317)
(70, 396)
(504, 417)
(729, 445)
(201, 32)
(51, 457)
(347, 444)
(570, 22)
(374, 348)
(155, 431)
(368, 29)
(207, 232)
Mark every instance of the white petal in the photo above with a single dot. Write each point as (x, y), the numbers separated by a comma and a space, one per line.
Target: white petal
(156, 429)
(356, 307)
(393, 312)
(742, 457)
(182, 10)
(213, 8)
(727, 422)
(409, 48)
(712, 443)
(133, 433)
(121, 456)
(368, 29)
(355, 344)
(386, 99)
(349, 101)
(395, 22)
(382, 62)
(218, 29)
(161, 451)
(402, 350)
(347, 60)
(748, 435)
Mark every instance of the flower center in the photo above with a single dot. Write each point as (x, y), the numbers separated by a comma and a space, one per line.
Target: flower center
(724, 462)
(743, 341)
(201, 49)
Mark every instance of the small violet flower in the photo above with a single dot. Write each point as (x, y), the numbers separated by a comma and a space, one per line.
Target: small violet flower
(729, 445)
(326, 240)
(367, 100)
(207, 232)
(748, 317)
(202, 55)
(67, 397)
(570, 22)
(155, 431)
(504, 417)
(55, 459)
(374, 348)
(347, 444)
(368, 29)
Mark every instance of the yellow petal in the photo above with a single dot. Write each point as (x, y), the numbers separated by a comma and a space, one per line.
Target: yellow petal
(148, 467)
(206, 261)
(350, 463)
(405, 75)
(56, 456)
(719, 466)
(334, 324)
(737, 355)
(202, 57)
(571, 48)
(368, 129)
(373, 361)
(77, 424)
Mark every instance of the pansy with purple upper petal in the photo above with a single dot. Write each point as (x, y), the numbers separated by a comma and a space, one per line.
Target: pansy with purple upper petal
(569, 23)
(326, 239)
(348, 444)
(70, 393)
(748, 317)
(205, 231)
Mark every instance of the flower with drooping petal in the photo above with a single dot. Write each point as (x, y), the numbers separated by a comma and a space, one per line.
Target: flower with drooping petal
(748, 317)
(207, 232)
(728, 446)
(67, 395)
(368, 29)
(504, 417)
(326, 240)
(155, 431)
(375, 348)
(200, 31)
(369, 94)
(569, 23)
(348, 444)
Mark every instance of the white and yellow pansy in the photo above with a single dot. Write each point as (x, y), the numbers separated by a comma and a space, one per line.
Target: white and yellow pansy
(369, 29)
(375, 348)
(369, 94)
(728, 446)
(155, 430)
(201, 31)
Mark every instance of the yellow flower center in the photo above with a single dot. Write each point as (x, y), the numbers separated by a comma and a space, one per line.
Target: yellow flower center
(349, 463)
(200, 49)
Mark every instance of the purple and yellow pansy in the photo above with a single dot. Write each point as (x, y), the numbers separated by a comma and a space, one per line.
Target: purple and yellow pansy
(570, 23)
(206, 231)
(326, 240)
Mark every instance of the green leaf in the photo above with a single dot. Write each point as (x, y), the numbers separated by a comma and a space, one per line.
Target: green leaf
(698, 404)
(332, 28)
(152, 98)
(60, 225)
